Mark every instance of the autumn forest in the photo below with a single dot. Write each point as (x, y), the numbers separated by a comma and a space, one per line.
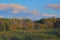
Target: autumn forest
(27, 29)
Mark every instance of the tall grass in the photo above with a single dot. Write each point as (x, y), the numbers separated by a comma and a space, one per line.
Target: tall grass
(25, 35)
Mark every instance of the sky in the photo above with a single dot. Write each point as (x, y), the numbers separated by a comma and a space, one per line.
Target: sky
(32, 9)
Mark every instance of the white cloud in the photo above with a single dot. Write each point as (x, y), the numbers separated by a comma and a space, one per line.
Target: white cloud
(48, 15)
(16, 8)
(1, 16)
(54, 6)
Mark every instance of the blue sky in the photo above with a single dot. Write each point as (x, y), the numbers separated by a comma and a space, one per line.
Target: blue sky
(35, 9)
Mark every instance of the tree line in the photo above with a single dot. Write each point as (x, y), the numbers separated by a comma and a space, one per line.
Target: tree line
(27, 24)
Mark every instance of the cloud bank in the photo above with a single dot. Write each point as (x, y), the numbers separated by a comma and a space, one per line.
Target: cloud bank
(15, 8)
(54, 6)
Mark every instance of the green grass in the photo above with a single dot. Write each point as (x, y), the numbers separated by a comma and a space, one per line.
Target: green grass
(24, 35)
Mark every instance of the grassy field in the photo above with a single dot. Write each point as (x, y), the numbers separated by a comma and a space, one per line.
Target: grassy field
(30, 35)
